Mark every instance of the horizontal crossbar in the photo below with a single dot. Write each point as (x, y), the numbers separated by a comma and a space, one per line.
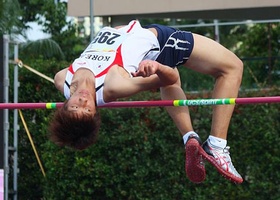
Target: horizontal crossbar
(157, 103)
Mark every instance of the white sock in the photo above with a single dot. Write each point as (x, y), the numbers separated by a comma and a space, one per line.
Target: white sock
(187, 135)
(218, 142)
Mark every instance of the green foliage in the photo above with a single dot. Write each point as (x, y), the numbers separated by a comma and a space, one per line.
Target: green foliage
(34, 89)
(47, 48)
(62, 30)
(193, 81)
(72, 46)
(260, 50)
(63, 44)
(1, 8)
(258, 147)
(9, 21)
(31, 9)
(55, 17)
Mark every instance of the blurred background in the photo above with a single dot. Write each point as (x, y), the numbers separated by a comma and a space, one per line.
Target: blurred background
(139, 153)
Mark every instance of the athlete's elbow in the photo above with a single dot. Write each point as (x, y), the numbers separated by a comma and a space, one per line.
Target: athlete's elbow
(171, 80)
(174, 77)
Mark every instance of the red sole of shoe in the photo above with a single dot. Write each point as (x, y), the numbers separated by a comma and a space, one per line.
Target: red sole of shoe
(195, 169)
(223, 172)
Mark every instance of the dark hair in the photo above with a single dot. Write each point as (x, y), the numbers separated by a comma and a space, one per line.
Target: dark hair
(77, 132)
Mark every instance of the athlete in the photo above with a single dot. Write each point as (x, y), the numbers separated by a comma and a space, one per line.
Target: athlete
(123, 61)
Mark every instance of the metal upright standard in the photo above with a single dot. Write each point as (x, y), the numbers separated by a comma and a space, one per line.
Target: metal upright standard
(6, 113)
(9, 152)
(16, 128)
(1, 119)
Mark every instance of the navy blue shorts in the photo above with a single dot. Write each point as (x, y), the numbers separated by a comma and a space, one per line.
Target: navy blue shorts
(176, 46)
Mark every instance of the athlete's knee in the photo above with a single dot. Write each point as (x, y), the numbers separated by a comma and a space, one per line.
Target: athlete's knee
(231, 72)
(237, 70)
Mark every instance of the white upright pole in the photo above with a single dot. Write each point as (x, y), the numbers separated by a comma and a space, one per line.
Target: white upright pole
(16, 127)
(91, 20)
(217, 31)
(6, 115)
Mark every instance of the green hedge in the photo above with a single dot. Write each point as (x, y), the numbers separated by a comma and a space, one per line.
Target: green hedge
(140, 153)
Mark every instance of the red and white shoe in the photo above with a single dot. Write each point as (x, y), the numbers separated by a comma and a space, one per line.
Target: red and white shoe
(221, 160)
(194, 165)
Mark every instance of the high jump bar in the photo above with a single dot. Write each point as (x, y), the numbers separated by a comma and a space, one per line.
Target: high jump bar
(156, 103)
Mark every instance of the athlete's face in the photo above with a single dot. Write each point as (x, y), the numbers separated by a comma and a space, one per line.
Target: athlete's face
(82, 102)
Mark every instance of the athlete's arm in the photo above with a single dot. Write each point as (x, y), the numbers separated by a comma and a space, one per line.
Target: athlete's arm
(59, 79)
(163, 76)
(166, 75)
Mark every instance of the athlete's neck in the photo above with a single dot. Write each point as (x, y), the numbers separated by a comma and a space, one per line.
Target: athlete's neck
(83, 79)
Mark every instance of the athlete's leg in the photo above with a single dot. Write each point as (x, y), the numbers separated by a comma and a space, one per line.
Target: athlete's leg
(209, 57)
(180, 115)
(194, 164)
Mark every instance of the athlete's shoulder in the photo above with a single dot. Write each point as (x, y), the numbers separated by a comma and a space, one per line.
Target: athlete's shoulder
(59, 79)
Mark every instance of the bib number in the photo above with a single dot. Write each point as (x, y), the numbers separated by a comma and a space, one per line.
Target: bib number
(107, 40)
(106, 37)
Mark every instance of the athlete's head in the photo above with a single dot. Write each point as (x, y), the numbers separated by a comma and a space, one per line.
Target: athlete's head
(81, 102)
(74, 129)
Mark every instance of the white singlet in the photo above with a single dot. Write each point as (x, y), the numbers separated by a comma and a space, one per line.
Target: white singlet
(125, 47)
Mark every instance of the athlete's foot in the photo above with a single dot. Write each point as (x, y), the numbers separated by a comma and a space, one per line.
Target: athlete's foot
(195, 169)
(221, 160)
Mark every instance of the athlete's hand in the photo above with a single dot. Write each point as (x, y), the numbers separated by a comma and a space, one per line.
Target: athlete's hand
(147, 68)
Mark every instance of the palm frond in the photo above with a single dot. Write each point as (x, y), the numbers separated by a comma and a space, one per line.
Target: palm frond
(47, 48)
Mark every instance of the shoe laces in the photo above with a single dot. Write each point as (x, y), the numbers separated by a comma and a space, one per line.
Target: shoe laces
(226, 152)
(222, 152)
(226, 155)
